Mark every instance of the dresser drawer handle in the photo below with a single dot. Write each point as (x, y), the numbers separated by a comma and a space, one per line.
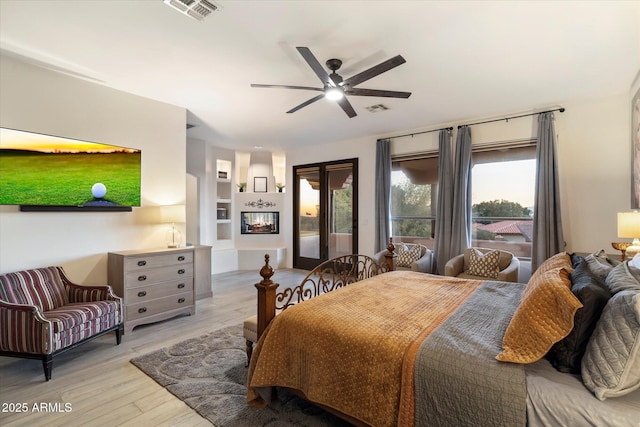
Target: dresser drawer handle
(142, 293)
(142, 310)
(181, 258)
(142, 278)
(142, 263)
(181, 285)
(181, 271)
(181, 300)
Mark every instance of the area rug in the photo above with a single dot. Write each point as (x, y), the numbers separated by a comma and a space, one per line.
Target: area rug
(209, 374)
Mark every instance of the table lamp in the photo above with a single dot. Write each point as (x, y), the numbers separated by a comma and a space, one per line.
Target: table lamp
(629, 226)
(172, 214)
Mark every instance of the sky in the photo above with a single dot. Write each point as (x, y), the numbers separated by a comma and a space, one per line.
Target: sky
(513, 181)
(19, 140)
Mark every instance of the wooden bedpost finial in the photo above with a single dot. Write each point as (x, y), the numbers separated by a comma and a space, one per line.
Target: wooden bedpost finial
(390, 246)
(390, 255)
(266, 271)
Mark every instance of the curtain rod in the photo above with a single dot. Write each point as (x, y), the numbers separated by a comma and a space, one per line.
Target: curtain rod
(418, 133)
(561, 109)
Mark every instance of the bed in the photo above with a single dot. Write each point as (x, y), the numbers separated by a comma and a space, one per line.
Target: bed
(414, 349)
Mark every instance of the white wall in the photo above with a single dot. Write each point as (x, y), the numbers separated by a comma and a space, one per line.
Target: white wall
(35, 99)
(594, 151)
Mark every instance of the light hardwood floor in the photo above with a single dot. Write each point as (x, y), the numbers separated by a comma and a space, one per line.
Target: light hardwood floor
(100, 387)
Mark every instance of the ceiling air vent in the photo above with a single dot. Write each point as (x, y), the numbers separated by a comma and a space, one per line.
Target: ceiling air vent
(377, 108)
(196, 9)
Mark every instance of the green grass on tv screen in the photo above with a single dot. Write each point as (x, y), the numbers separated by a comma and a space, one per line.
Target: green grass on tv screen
(66, 179)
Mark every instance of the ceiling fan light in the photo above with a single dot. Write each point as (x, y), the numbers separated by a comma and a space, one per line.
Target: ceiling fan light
(334, 94)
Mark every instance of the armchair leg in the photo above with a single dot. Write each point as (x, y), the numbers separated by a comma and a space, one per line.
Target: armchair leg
(119, 333)
(47, 364)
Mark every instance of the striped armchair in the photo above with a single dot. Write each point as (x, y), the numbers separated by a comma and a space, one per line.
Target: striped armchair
(42, 314)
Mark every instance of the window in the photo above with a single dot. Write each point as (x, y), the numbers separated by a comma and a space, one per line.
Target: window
(503, 191)
(414, 186)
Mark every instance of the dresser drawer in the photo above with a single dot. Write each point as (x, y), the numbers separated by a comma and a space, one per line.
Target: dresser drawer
(160, 274)
(160, 305)
(158, 290)
(135, 263)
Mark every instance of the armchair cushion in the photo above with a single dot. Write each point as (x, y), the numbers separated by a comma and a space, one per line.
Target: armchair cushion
(71, 315)
(508, 265)
(423, 263)
(407, 254)
(483, 265)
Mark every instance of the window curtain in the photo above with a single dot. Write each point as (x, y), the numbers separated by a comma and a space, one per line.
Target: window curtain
(461, 217)
(444, 209)
(548, 238)
(383, 193)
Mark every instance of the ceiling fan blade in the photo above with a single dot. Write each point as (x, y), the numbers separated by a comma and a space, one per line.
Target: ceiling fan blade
(304, 104)
(376, 92)
(346, 106)
(315, 66)
(374, 71)
(289, 87)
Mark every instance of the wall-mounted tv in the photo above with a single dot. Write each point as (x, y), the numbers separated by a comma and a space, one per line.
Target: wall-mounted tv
(45, 172)
(259, 223)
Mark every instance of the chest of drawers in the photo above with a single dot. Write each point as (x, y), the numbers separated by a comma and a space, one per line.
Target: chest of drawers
(155, 284)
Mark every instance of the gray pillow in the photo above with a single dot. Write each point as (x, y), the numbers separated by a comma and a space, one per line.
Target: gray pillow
(611, 363)
(599, 264)
(623, 277)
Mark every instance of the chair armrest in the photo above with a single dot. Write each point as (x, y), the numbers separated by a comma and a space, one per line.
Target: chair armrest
(510, 274)
(454, 266)
(81, 293)
(379, 257)
(24, 320)
(424, 264)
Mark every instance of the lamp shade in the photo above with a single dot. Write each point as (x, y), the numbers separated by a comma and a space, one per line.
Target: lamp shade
(172, 214)
(629, 224)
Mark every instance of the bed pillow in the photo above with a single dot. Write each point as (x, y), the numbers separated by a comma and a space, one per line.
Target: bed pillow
(407, 255)
(566, 355)
(611, 364)
(599, 264)
(559, 260)
(625, 276)
(543, 317)
(483, 264)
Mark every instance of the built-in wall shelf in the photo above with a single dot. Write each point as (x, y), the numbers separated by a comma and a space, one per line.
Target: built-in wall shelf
(224, 205)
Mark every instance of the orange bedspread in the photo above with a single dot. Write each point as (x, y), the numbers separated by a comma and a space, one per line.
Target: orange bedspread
(353, 349)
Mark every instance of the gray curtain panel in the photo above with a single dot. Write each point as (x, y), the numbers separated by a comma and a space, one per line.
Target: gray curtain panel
(461, 218)
(444, 210)
(383, 193)
(548, 238)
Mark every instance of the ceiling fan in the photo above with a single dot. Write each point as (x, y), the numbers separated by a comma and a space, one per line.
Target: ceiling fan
(335, 87)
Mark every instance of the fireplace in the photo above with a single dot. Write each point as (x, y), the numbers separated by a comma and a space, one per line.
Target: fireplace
(259, 222)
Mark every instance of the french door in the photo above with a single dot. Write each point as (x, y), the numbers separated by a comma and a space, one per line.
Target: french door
(325, 212)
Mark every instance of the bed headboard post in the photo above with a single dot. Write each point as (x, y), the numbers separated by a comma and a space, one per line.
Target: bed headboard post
(390, 255)
(266, 296)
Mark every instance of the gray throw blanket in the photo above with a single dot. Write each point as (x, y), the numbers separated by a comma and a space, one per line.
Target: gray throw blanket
(458, 382)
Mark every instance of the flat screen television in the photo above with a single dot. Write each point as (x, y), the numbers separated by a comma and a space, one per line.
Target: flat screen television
(45, 172)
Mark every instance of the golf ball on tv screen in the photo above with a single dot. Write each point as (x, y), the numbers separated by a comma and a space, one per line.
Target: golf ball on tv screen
(98, 190)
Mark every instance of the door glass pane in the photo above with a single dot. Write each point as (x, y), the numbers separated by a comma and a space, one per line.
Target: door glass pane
(340, 179)
(309, 209)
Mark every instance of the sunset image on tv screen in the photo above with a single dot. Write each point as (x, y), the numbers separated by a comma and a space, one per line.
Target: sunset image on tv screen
(37, 169)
